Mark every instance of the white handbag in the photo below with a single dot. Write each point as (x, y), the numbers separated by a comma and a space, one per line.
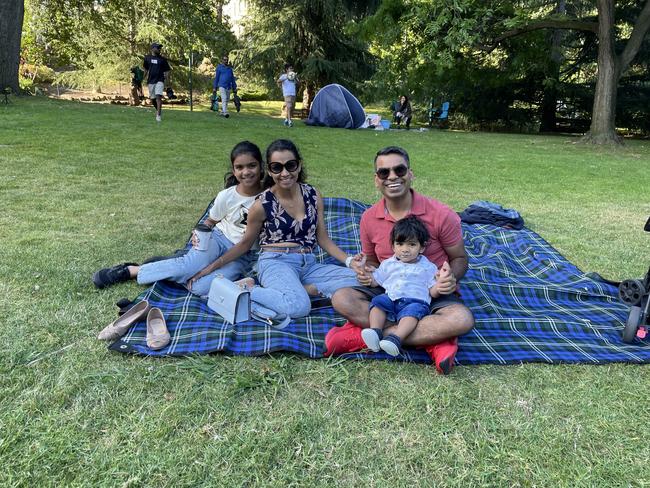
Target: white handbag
(229, 300)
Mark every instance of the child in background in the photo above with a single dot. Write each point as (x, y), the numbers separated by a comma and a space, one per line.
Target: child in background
(409, 279)
(136, 85)
(288, 81)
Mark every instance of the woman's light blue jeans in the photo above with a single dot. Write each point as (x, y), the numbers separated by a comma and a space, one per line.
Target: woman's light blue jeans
(182, 268)
(282, 276)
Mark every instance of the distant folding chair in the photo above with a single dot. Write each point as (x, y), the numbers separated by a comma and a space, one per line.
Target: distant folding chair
(439, 117)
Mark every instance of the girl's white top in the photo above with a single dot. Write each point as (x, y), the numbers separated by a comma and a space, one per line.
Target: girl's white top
(231, 209)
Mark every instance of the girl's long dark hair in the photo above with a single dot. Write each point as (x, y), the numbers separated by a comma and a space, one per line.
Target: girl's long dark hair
(243, 147)
(405, 104)
(283, 145)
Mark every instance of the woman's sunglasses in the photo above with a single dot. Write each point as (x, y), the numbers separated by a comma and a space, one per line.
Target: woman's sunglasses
(277, 168)
(400, 171)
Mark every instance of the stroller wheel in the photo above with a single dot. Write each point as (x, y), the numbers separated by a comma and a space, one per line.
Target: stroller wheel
(631, 292)
(632, 325)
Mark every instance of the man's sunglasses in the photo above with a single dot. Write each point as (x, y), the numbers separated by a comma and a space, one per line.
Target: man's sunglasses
(400, 170)
(277, 168)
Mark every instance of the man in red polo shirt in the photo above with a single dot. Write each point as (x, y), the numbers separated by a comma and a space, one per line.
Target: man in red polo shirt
(449, 318)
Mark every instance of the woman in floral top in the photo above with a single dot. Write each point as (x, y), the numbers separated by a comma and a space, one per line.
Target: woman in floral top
(288, 220)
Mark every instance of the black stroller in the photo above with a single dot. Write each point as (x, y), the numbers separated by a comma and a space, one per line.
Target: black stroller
(636, 294)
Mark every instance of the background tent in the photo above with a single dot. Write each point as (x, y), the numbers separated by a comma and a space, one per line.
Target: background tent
(335, 106)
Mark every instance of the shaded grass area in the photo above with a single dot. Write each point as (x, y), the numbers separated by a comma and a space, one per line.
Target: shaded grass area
(86, 186)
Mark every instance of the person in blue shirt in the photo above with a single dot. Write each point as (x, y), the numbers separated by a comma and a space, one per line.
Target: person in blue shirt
(409, 281)
(224, 80)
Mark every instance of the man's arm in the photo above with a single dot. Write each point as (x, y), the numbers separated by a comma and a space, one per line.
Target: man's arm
(372, 260)
(369, 262)
(452, 270)
(367, 246)
(457, 259)
(233, 82)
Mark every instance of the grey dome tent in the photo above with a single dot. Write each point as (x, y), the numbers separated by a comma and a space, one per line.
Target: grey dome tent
(335, 106)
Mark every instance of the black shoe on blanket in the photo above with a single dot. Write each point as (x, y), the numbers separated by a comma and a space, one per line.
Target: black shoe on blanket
(111, 276)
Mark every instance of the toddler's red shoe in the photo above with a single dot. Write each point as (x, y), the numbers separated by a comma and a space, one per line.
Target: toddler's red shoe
(443, 354)
(340, 340)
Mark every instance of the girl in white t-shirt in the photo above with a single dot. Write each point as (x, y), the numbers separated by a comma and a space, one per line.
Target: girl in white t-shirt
(227, 217)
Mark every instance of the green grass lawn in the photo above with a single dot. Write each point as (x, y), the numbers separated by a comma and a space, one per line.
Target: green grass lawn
(86, 186)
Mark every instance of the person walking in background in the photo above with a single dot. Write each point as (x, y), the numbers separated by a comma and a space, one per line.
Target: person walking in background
(136, 85)
(224, 80)
(157, 70)
(403, 113)
(288, 81)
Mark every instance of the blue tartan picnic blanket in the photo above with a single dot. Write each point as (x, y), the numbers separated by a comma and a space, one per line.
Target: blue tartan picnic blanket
(529, 302)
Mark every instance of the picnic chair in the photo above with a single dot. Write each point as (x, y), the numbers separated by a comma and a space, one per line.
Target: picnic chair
(440, 117)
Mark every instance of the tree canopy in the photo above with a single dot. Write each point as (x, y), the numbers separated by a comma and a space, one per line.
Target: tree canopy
(105, 37)
(551, 64)
(317, 36)
(499, 58)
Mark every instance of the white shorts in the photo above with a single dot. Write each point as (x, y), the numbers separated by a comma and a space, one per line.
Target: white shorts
(156, 89)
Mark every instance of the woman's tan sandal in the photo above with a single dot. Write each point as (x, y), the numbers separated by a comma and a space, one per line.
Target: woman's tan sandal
(121, 325)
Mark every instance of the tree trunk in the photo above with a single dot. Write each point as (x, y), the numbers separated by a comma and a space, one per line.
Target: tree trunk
(610, 66)
(219, 8)
(308, 96)
(548, 121)
(11, 27)
(549, 100)
(603, 118)
(132, 33)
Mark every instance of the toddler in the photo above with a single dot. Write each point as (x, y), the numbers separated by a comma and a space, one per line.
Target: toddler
(409, 279)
